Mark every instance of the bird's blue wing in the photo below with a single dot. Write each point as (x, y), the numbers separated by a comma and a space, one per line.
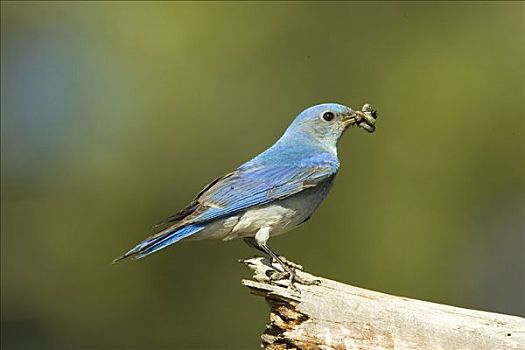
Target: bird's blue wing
(256, 187)
(253, 186)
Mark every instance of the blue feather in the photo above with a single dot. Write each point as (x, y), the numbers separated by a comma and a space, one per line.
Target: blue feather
(169, 239)
(259, 186)
(159, 241)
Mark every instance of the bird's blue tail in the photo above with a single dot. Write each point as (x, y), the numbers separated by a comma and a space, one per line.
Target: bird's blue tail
(160, 240)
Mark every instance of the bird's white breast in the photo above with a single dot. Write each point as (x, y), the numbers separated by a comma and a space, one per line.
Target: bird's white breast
(276, 217)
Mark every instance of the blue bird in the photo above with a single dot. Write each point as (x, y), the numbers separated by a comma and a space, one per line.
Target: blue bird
(271, 194)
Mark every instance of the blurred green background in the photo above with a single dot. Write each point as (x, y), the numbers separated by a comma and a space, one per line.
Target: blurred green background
(115, 114)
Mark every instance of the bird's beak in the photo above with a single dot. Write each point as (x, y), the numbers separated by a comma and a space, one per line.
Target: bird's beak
(350, 119)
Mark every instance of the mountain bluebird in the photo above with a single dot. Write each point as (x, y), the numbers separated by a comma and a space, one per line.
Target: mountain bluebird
(271, 194)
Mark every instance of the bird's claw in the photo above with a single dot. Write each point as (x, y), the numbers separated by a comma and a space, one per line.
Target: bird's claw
(277, 275)
(292, 278)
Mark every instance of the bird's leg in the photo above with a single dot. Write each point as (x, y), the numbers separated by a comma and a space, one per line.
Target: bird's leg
(284, 260)
(250, 241)
(260, 243)
(289, 271)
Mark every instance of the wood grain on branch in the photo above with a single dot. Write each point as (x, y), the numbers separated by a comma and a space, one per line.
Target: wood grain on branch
(334, 315)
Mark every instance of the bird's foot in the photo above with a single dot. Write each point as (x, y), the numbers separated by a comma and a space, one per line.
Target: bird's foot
(292, 278)
(290, 264)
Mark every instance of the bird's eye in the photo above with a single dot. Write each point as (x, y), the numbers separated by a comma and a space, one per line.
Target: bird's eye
(328, 116)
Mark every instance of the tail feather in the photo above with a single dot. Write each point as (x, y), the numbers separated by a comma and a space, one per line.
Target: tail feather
(160, 240)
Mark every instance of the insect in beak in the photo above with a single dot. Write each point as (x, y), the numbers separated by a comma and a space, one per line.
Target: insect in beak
(365, 118)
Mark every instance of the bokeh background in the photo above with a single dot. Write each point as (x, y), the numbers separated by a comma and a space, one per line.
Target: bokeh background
(115, 114)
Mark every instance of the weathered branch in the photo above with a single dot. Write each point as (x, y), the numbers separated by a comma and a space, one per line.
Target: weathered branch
(333, 315)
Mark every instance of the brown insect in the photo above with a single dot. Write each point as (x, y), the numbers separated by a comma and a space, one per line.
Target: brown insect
(366, 118)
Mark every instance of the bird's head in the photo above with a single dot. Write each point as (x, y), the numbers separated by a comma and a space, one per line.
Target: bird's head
(322, 124)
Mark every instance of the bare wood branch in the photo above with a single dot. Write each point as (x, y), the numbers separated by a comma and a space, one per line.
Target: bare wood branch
(334, 315)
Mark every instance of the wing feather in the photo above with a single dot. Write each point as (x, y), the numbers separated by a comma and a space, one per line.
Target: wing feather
(250, 187)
